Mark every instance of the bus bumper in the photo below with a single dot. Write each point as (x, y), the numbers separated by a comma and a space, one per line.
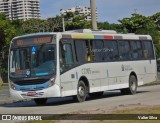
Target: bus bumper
(53, 91)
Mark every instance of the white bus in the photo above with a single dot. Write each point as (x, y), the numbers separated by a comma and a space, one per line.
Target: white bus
(78, 63)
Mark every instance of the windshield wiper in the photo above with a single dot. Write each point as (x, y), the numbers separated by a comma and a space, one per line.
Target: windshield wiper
(40, 49)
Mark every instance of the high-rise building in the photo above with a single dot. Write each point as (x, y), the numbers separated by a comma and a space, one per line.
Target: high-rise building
(20, 9)
(82, 10)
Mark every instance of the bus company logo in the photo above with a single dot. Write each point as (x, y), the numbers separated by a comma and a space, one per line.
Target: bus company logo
(6, 117)
(126, 68)
(28, 72)
(21, 117)
(86, 71)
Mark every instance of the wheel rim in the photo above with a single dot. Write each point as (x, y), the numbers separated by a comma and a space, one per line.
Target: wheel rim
(81, 91)
(133, 85)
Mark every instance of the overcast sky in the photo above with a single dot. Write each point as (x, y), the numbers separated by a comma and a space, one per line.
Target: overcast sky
(108, 10)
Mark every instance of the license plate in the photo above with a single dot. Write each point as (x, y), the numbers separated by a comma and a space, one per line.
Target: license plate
(31, 93)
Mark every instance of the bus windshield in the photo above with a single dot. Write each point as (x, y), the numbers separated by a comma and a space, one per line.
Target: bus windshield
(33, 61)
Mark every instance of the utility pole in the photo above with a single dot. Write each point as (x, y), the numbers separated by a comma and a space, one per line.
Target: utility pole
(63, 23)
(93, 14)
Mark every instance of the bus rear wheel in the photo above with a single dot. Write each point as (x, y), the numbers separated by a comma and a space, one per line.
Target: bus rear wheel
(81, 92)
(40, 101)
(132, 86)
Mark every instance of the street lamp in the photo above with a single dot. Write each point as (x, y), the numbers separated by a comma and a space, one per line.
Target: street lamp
(93, 14)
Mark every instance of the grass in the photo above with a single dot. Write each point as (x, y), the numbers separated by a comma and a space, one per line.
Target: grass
(128, 121)
(140, 110)
(5, 85)
(126, 110)
(135, 110)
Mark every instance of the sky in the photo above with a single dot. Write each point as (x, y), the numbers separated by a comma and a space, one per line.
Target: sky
(108, 10)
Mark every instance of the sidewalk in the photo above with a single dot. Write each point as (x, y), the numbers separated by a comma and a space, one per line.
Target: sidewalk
(4, 95)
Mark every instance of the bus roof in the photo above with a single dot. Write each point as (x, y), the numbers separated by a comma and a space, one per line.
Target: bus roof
(106, 36)
(89, 34)
(35, 34)
(103, 34)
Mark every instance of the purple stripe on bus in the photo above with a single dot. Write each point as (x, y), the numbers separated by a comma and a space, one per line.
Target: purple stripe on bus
(118, 37)
(98, 37)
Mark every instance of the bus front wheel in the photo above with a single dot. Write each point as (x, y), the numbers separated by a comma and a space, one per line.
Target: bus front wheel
(132, 86)
(40, 101)
(81, 92)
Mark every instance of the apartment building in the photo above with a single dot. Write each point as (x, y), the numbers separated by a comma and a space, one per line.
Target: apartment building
(20, 9)
(82, 10)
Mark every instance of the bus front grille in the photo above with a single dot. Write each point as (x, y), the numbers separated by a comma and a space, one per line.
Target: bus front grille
(31, 82)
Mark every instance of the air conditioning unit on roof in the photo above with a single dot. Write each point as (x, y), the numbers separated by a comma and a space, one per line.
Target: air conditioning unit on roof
(93, 31)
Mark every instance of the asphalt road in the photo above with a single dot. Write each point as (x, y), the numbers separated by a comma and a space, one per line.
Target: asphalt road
(148, 95)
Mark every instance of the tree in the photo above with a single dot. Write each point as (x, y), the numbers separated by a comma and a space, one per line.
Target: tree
(18, 26)
(78, 25)
(55, 23)
(135, 23)
(74, 20)
(140, 24)
(108, 26)
(7, 32)
(2, 42)
(156, 19)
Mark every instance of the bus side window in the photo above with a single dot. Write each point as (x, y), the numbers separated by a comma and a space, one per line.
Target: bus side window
(136, 51)
(148, 50)
(98, 50)
(124, 50)
(81, 51)
(92, 51)
(87, 55)
(111, 50)
(66, 58)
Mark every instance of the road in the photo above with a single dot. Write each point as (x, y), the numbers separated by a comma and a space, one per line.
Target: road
(148, 95)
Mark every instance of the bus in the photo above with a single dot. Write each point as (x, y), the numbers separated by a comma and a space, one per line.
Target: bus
(79, 63)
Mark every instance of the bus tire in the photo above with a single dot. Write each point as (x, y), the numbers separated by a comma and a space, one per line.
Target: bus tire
(81, 92)
(40, 101)
(96, 94)
(132, 86)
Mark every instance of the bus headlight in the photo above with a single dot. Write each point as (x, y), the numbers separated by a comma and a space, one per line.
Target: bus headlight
(12, 85)
(52, 81)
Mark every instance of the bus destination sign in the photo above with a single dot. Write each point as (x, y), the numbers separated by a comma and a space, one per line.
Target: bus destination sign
(32, 41)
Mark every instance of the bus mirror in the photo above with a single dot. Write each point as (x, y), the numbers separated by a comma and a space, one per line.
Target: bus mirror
(64, 48)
